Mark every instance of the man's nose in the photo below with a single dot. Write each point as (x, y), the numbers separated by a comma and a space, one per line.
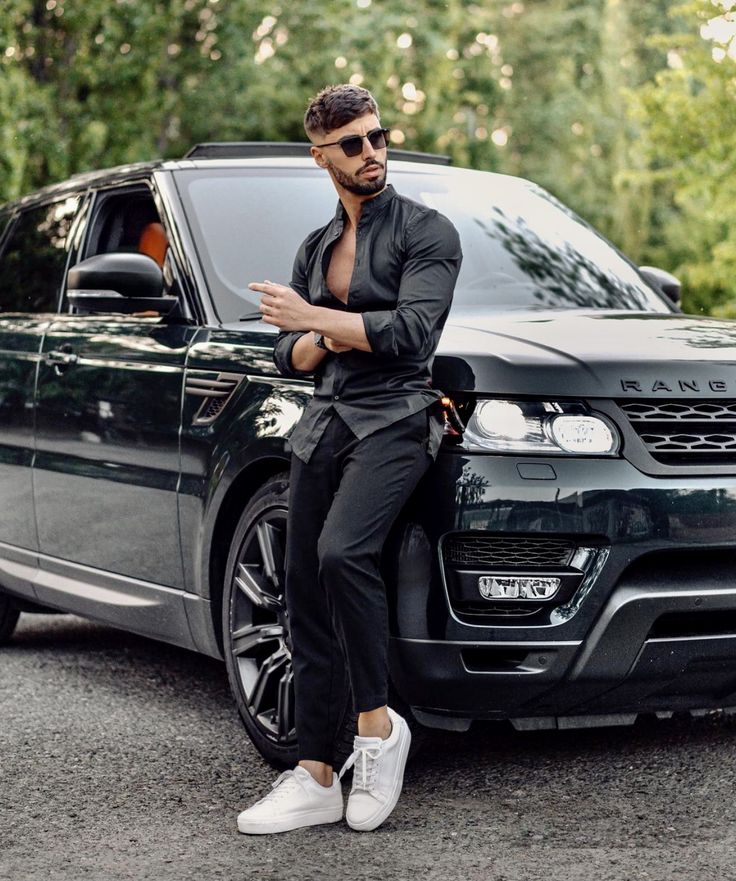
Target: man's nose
(368, 151)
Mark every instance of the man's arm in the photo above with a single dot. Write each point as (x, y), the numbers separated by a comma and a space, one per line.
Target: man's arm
(289, 310)
(431, 266)
(294, 352)
(433, 258)
(305, 356)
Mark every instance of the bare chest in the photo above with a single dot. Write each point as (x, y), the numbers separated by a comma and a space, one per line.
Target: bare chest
(342, 260)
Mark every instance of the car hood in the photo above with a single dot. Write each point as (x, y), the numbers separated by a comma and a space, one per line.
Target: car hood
(586, 353)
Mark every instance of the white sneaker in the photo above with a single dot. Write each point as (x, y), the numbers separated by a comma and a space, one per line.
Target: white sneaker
(295, 800)
(378, 774)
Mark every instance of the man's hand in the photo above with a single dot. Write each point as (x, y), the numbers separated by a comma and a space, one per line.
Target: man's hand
(283, 307)
(335, 347)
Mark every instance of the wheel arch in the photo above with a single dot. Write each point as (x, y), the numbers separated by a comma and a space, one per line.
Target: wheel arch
(241, 490)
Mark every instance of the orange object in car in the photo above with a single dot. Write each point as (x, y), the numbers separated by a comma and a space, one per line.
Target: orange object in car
(153, 242)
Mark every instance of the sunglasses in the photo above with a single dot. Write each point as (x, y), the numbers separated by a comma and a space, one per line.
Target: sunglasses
(352, 145)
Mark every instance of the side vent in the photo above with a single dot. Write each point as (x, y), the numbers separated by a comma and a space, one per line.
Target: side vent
(215, 389)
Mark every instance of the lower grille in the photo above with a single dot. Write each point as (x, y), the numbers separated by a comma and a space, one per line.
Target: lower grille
(685, 432)
(506, 551)
(513, 563)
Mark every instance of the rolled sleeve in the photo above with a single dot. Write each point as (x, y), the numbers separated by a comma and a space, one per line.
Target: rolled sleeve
(285, 342)
(286, 339)
(432, 262)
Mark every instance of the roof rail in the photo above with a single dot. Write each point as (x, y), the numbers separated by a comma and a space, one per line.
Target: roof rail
(266, 149)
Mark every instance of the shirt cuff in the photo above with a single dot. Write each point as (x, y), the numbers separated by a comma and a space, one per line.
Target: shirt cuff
(379, 331)
(282, 356)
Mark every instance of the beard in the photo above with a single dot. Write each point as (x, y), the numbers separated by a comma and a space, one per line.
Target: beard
(352, 182)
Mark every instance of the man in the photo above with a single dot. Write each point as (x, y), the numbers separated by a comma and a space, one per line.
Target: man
(369, 295)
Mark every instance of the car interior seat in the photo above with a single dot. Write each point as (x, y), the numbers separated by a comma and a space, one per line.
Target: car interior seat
(153, 242)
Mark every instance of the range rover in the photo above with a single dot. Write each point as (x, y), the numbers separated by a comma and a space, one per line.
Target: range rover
(567, 561)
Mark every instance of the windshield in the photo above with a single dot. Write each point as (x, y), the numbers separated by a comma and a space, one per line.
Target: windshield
(522, 249)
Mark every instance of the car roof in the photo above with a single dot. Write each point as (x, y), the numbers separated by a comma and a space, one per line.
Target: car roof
(83, 180)
(401, 161)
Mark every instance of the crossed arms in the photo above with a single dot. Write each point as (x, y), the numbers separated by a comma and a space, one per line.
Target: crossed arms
(431, 265)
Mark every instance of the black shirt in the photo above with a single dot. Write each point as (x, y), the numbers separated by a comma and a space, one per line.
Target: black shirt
(407, 259)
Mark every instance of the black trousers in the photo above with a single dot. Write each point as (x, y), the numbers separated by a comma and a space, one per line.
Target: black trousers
(342, 505)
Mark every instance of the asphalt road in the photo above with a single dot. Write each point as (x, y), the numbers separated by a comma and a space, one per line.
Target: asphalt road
(122, 758)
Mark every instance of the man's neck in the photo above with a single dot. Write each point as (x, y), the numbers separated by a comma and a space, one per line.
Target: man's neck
(353, 204)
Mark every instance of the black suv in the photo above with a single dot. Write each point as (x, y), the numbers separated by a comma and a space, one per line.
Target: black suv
(568, 560)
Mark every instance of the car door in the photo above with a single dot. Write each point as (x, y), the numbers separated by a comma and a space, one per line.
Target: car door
(108, 404)
(33, 257)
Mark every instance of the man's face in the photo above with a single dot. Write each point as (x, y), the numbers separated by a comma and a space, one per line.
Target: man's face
(364, 174)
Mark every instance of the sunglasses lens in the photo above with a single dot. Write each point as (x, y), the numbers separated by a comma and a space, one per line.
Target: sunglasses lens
(378, 138)
(352, 146)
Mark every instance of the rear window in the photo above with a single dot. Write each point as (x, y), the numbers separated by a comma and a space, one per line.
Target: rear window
(522, 248)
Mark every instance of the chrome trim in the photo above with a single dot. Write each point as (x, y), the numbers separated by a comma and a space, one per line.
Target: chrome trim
(592, 567)
(491, 643)
(304, 384)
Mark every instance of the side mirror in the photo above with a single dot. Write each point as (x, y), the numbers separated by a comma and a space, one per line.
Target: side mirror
(664, 281)
(118, 282)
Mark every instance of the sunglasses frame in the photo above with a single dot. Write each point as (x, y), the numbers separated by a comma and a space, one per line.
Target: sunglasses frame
(386, 132)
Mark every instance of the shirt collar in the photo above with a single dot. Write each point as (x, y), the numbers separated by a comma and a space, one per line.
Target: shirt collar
(370, 208)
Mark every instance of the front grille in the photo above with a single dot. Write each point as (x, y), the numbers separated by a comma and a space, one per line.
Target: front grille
(506, 551)
(685, 432)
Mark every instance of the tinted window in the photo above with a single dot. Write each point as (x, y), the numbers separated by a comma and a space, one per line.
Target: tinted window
(34, 257)
(522, 248)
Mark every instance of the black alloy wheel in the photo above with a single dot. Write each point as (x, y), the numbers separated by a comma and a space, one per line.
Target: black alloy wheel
(256, 632)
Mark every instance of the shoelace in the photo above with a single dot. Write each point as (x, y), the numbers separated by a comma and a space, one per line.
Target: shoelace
(366, 762)
(277, 790)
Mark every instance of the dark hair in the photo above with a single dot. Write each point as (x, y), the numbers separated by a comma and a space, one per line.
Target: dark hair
(336, 106)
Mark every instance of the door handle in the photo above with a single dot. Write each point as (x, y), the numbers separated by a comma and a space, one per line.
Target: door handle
(60, 357)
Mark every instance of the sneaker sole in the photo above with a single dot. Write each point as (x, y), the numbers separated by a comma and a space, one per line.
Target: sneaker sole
(296, 821)
(375, 821)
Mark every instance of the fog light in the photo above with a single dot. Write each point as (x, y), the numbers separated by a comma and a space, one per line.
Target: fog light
(517, 588)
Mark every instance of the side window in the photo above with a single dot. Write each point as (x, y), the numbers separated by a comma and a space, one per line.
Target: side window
(127, 220)
(34, 257)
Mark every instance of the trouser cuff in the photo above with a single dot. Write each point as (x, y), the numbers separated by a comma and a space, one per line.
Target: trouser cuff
(370, 702)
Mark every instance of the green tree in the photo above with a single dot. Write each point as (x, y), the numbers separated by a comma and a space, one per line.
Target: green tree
(686, 117)
(101, 83)
(620, 108)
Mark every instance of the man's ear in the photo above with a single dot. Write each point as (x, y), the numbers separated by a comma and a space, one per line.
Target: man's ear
(318, 156)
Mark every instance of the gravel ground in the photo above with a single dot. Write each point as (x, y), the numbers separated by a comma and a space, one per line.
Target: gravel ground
(122, 758)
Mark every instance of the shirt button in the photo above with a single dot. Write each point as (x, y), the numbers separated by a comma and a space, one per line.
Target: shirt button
(336, 397)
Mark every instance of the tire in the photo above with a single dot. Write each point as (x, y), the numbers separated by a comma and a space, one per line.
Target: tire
(256, 637)
(8, 618)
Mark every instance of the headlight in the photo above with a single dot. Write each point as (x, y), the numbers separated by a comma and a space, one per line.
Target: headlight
(582, 434)
(539, 427)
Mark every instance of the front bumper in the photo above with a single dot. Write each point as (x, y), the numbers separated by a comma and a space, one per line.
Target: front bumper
(654, 629)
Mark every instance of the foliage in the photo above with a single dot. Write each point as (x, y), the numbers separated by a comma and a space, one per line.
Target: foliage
(618, 107)
(687, 120)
